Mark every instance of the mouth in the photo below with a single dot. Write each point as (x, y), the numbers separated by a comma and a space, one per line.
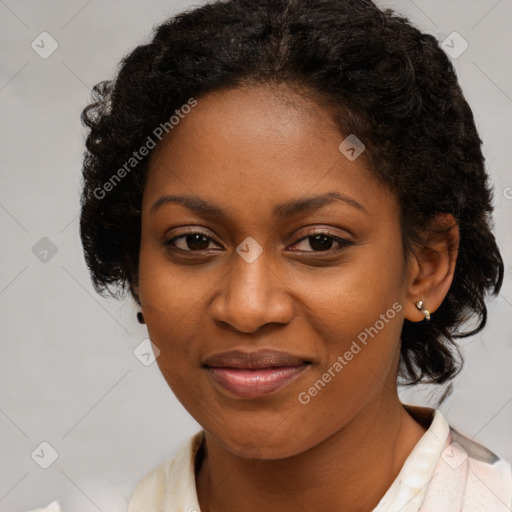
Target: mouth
(254, 374)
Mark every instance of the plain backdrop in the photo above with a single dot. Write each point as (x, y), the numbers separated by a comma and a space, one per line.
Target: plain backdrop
(68, 374)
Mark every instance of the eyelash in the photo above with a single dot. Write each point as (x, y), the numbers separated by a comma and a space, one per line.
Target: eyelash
(343, 243)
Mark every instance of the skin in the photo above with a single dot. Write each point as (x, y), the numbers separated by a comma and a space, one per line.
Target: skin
(247, 150)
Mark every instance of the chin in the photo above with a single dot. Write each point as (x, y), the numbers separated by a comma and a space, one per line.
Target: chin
(261, 445)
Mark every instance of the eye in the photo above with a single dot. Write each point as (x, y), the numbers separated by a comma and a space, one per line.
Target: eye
(321, 241)
(192, 241)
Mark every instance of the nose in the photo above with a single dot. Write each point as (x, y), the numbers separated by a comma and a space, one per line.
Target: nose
(251, 295)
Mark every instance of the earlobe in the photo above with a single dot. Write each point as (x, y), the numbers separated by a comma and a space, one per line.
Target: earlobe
(425, 311)
(432, 269)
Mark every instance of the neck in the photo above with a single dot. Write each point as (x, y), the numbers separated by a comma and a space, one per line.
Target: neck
(349, 471)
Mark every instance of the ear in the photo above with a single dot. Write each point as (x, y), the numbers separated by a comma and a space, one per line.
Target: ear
(135, 288)
(431, 268)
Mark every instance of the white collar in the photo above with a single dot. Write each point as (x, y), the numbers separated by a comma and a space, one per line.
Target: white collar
(171, 486)
(407, 491)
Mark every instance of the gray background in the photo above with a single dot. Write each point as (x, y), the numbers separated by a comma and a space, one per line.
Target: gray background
(68, 375)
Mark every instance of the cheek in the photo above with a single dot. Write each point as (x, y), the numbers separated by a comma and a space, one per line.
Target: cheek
(350, 298)
(167, 291)
(171, 307)
(359, 365)
(357, 312)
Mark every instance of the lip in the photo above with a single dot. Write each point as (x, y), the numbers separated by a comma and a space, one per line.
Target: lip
(251, 360)
(254, 374)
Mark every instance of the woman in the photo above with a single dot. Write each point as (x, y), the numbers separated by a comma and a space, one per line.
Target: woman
(295, 195)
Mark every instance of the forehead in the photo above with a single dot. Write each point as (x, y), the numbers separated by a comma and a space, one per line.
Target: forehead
(254, 147)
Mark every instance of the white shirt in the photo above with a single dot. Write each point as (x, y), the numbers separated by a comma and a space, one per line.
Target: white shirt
(445, 472)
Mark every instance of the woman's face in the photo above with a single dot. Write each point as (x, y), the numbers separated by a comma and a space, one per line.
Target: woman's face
(257, 278)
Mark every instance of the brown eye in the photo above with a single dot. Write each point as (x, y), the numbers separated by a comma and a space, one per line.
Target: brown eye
(323, 241)
(190, 242)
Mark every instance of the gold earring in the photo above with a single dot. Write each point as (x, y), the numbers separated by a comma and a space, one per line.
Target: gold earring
(425, 311)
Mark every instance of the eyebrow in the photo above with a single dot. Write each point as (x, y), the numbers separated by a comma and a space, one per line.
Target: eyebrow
(280, 211)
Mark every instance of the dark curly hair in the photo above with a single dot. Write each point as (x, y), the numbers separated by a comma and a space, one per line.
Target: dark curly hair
(378, 75)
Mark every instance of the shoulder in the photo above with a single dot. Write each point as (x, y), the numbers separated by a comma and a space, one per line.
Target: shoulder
(488, 477)
(173, 479)
(469, 476)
